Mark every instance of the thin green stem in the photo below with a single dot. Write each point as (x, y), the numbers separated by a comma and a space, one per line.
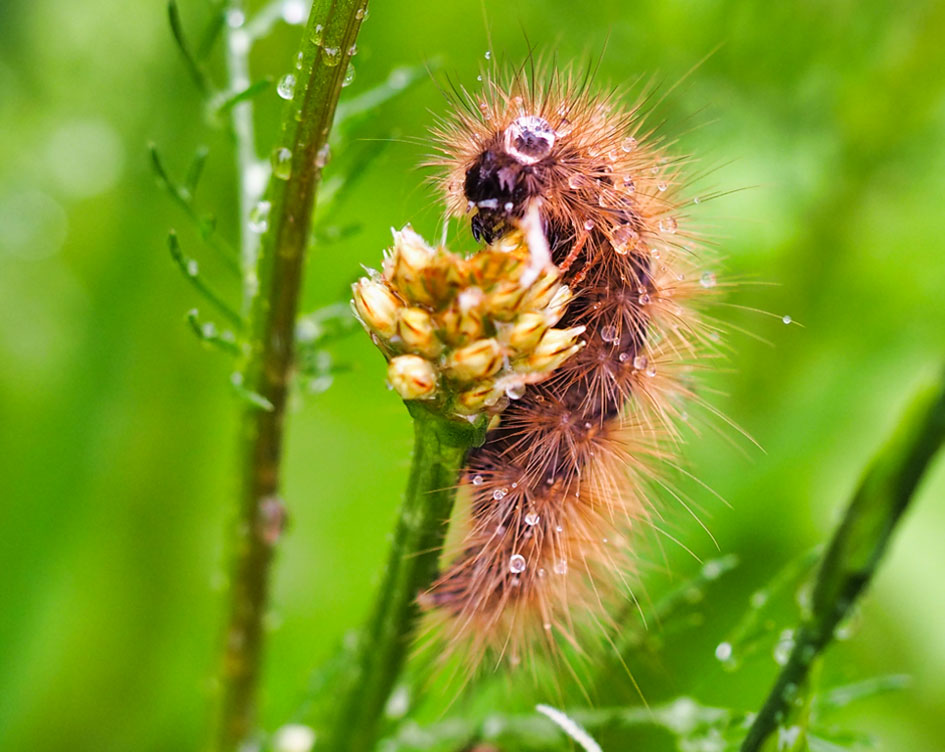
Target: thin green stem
(248, 166)
(269, 353)
(440, 448)
(857, 548)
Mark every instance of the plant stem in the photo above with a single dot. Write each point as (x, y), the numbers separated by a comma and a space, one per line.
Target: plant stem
(269, 356)
(440, 448)
(238, 43)
(857, 547)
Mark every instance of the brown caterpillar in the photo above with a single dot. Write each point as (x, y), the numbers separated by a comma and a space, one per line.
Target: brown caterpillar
(569, 469)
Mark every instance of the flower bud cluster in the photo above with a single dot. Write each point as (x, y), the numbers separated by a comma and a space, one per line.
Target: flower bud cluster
(470, 333)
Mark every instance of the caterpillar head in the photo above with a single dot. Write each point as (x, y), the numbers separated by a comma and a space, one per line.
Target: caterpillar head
(507, 173)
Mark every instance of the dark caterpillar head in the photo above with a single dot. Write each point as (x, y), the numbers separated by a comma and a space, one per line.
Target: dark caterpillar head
(507, 173)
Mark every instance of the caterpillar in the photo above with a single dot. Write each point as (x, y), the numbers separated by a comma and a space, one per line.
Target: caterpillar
(566, 477)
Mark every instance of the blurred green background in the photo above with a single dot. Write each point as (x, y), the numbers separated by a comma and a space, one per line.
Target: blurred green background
(117, 428)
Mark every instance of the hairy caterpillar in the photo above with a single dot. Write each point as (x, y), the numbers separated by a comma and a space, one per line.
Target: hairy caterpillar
(568, 472)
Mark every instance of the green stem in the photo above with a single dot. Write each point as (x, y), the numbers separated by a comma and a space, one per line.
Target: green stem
(856, 548)
(440, 448)
(269, 355)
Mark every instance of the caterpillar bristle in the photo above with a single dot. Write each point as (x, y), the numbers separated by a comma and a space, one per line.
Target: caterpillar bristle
(577, 466)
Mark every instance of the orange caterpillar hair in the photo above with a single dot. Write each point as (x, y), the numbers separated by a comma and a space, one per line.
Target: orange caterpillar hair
(567, 472)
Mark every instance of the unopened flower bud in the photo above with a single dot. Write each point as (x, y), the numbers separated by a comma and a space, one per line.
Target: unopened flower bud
(376, 306)
(415, 327)
(477, 361)
(412, 377)
(406, 267)
(554, 348)
(558, 304)
(542, 291)
(477, 398)
(462, 321)
(526, 331)
(505, 299)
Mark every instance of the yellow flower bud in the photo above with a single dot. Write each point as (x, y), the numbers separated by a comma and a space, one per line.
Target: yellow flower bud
(476, 361)
(376, 306)
(409, 262)
(412, 377)
(526, 331)
(477, 398)
(554, 348)
(558, 304)
(415, 327)
(542, 291)
(462, 321)
(505, 299)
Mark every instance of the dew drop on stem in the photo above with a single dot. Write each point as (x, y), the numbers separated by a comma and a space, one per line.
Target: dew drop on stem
(286, 87)
(281, 160)
(259, 217)
(331, 56)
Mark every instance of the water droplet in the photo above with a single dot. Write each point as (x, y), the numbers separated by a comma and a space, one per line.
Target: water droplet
(783, 647)
(235, 18)
(515, 391)
(479, 77)
(294, 12)
(488, 55)
(349, 76)
(787, 737)
(362, 13)
(786, 319)
(564, 128)
(281, 160)
(651, 372)
(723, 651)
(561, 566)
(331, 56)
(286, 87)
(758, 599)
(589, 225)
(625, 239)
(323, 156)
(259, 217)
(193, 268)
(629, 144)
(627, 184)
(298, 61)
(668, 225)
(517, 563)
(532, 518)
(500, 493)
(661, 187)
(639, 362)
(547, 626)
(478, 480)
(352, 50)
(696, 199)
(623, 357)
(707, 280)
(318, 33)
(644, 299)
(576, 181)
(609, 333)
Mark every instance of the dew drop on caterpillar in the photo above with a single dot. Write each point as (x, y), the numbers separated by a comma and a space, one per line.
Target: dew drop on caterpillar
(566, 474)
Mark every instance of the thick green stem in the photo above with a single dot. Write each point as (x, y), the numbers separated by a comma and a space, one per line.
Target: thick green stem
(857, 548)
(440, 448)
(269, 354)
